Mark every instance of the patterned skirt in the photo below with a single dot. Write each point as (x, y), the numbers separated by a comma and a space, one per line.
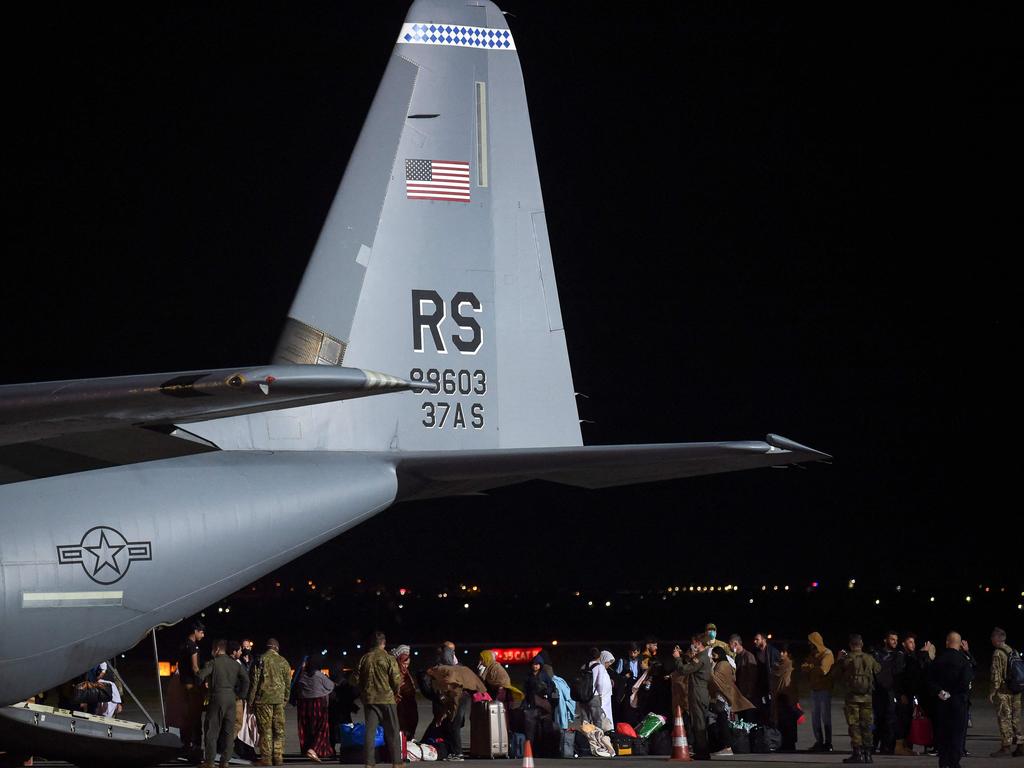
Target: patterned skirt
(314, 732)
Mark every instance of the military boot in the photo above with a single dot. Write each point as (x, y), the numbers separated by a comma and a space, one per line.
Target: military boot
(1003, 751)
(1019, 751)
(866, 757)
(855, 757)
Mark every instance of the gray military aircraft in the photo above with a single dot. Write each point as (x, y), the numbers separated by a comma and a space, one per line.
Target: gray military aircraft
(434, 266)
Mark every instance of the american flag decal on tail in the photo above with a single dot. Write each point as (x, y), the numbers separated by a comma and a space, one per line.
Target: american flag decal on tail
(437, 180)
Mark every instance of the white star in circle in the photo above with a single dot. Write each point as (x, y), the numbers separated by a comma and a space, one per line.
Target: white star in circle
(105, 554)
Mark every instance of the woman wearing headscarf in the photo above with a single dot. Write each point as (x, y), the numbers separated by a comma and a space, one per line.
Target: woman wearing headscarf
(312, 689)
(603, 688)
(726, 698)
(408, 712)
(785, 697)
(497, 680)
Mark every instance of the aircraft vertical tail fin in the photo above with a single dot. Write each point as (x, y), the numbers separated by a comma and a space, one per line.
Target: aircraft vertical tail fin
(434, 262)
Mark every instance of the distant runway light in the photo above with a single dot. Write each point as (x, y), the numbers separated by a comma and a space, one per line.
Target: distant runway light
(590, 602)
(607, 603)
(751, 601)
(323, 652)
(878, 602)
(931, 599)
(968, 598)
(465, 605)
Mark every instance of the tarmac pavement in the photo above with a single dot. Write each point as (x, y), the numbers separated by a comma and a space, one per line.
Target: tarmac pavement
(982, 739)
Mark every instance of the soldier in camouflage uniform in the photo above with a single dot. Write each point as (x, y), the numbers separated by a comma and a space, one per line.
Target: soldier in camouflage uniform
(268, 693)
(1007, 703)
(857, 670)
(378, 680)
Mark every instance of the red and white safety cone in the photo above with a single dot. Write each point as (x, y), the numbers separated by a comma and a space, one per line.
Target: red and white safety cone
(527, 755)
(680, 747)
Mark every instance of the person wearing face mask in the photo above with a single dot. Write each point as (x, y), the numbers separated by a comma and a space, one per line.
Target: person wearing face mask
(713, 642)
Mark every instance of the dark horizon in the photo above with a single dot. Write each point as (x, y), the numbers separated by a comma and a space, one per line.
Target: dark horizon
(789, 220)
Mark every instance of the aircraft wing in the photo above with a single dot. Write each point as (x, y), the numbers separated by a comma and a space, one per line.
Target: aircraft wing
(444, 473)
(31, 412)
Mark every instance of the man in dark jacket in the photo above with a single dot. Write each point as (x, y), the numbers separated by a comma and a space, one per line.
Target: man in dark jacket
(625, 673)
(949, 683)
(767, 656)
(746, 669)
(909, 685)
(883, 700)
(698, 669)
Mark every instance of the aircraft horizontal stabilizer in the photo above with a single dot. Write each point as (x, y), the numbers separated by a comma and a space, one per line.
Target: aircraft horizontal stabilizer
(445, 473)
(48, 409)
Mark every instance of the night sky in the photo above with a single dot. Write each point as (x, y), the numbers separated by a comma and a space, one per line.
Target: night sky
(795, 219)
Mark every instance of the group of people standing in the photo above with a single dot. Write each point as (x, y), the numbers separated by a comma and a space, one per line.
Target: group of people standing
(236, 685)
(712, 683)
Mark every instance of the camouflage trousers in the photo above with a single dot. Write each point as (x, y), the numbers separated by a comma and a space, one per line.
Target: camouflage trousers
(859, 719)
(270, 719)
(1008, 714)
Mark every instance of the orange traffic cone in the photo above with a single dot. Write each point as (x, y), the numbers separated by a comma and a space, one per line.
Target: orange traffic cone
(680, 747)
(527, 755)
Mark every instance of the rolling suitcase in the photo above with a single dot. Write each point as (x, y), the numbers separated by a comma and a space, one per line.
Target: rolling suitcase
(488, 730)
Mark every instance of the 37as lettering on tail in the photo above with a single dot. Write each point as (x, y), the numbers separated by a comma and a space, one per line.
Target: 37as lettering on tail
(424, 355)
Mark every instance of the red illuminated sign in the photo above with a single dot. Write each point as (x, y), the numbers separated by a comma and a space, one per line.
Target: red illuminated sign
(515, 655)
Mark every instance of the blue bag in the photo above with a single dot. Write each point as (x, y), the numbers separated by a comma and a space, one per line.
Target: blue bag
(354, 735)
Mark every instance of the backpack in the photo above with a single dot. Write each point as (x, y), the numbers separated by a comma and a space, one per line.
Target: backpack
(582, 686)
(1014, 672)
(861, 681)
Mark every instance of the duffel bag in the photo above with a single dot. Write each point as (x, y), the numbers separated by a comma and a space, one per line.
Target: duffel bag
(764, 739)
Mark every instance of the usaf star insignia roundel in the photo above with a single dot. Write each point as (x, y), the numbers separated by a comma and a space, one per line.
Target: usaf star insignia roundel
(104, 554)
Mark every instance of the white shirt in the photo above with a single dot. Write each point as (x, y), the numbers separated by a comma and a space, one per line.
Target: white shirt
(109, 708)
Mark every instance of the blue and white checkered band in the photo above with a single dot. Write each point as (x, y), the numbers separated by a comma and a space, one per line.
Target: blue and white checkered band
(430, 33)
